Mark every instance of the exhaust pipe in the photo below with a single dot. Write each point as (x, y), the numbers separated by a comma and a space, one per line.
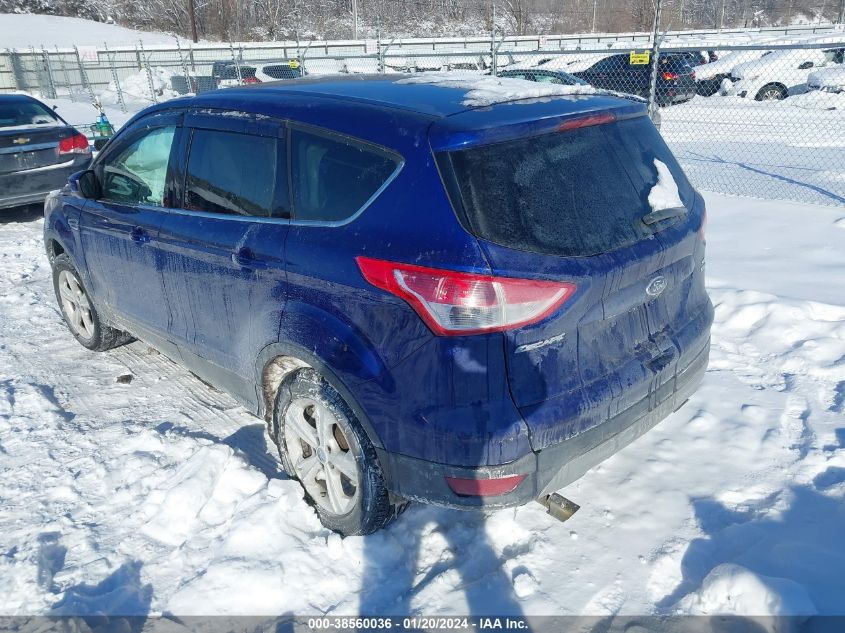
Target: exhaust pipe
(558, 506)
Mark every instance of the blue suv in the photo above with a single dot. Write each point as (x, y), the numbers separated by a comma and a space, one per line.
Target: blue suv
(426, 294)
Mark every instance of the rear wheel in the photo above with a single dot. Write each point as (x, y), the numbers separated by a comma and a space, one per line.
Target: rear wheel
(322, 444)
(771, 92)
(79, 312)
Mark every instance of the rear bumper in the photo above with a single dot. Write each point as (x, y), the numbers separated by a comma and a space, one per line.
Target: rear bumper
(553, 467)
(32, 186)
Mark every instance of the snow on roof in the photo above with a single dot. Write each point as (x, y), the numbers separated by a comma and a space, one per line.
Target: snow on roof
(487, 90)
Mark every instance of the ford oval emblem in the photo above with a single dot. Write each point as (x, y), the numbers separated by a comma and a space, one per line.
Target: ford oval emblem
(656, 286)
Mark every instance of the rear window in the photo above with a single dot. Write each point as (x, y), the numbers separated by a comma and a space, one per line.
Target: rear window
(575, 193)
(282, 71)
(25, 113)
(334, 176)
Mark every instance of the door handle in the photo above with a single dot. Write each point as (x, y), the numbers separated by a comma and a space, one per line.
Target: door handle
(140, 235)
(245, 258)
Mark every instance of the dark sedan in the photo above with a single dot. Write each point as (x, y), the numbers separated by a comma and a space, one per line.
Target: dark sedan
(543, 76)
(38, 151)
(632, 74)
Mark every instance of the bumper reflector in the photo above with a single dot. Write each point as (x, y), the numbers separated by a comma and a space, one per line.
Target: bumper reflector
(484, 487)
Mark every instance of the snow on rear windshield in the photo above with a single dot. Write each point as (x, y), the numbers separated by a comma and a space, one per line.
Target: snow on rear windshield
(664, 194)
(484, 90)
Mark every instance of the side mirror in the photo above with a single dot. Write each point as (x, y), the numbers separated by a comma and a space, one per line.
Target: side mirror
(805, 66)
(85, 184)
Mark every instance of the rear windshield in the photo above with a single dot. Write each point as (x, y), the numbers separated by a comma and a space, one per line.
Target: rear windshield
(575, 193)
(282, 71)
(18, 113)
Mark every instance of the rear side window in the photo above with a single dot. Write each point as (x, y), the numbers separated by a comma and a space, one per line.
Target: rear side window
(235, 173)
(282, 71)
(334, 176)
(575, 193)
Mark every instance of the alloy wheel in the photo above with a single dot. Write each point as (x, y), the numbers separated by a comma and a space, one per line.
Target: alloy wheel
(321, 455)
(76, 306)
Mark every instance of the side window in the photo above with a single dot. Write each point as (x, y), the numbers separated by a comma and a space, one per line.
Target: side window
(137, 175)
(547, 79)
(333, 177)
(282, 71)
(235, 173)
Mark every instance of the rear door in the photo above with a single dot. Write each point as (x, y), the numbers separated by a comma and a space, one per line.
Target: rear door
(569, 206)
(224, 268)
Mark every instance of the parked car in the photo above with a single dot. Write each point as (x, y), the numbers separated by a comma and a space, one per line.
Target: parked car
(38, 150)
(709, 76)
(779, 74)
(544, 76)
(828, 79)
(231, 74)
(466, 306)
(675, 77)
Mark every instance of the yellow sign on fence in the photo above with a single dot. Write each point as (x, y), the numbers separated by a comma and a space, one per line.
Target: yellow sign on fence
(639, 59)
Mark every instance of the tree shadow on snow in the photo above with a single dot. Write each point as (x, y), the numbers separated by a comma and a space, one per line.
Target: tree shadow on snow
(392, 579)
(249, 442)
(122, 595)
(802, 544)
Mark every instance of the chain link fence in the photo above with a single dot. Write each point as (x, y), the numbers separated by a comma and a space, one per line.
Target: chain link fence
(766, 120)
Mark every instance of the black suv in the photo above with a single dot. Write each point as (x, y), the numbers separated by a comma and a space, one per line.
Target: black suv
(675, 76)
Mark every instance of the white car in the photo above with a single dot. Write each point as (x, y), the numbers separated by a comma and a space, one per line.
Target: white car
(830, 79)
(708, 77)
(778, 74)
(231, 74)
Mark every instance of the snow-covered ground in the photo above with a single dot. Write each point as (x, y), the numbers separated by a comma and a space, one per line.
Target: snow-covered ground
(162, 495)
(25, 30)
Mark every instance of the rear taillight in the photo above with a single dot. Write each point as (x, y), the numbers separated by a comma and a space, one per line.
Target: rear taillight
(484, 487)
(76, 144)
(669, 76)
(251, 80)
(453, 303)
(692, 75)
(587, 121)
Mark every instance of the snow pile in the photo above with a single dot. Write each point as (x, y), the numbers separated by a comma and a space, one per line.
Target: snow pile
(141, 86)
(664, 194)
(25, 30)
(732, 589)
(817, 100)
(484, 91)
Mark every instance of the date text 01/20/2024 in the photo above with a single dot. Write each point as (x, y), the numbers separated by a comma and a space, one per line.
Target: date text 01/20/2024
(416, 623)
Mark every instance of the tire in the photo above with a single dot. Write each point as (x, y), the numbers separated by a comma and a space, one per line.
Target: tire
(771, 92)
(78, 310)
(336, 447)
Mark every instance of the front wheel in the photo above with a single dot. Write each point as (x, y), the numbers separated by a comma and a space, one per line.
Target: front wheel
(79, 312)
(322, 444)
(771, 92)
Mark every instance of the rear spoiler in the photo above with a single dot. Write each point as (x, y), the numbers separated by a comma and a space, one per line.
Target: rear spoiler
(520, 119)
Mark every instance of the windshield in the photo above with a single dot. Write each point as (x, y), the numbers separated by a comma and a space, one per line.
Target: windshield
(574, 193)
(25, 113)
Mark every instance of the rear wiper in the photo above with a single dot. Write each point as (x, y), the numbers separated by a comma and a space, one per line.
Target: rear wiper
(663, 214)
